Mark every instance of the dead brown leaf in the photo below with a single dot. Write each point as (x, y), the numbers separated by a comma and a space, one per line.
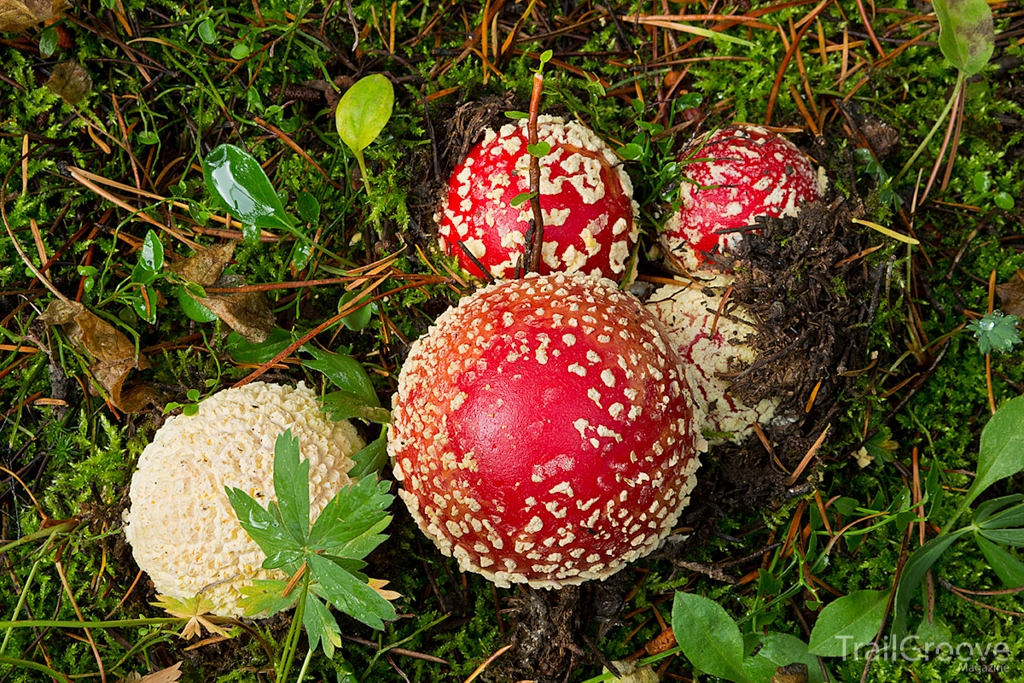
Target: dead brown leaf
(69, 80)
(18, 15)
(168, 675)
(1011, 294)
(247, 313)
(112, 353)
(206, 265)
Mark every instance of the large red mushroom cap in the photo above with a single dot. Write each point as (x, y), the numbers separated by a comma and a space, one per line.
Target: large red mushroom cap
(741, 173)
(543, 432)
(585, 196)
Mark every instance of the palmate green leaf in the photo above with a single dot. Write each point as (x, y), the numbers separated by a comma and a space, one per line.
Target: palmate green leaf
(266, 528)
(708, 637)
(966, 34)
(345, 372)
(364, 110)
(291, 487)
(352, 513)
(995, 332)
(917, 565)
(266, 596)
(321, 626)
(851, 620)
(349, 594)
(1001, 454)
(244, 190)
(1005, 564)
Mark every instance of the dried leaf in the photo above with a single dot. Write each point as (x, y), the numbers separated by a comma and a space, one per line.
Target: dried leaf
(69, 80)
(194, 609)
(378, 585)
(205, 266)
(168, 675)
(18, 15)
(247, 313)
(112, 353)
(1011, 294)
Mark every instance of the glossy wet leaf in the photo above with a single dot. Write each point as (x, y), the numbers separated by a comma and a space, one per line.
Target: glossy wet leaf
(364, 110)
(152, 253)
(264, 527)
(350, 595)
(238, 180)
(370, 459)
(361, 317)
(308, 207)
(192, 308)
(539, 150)
(966, 34)
(350, 513)
(345, 372)
(321, 626)
(266, 596)
(48, 42)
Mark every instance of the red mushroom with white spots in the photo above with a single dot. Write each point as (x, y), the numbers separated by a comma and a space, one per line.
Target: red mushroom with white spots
(543, 432)
(737, 174)
(586, 202)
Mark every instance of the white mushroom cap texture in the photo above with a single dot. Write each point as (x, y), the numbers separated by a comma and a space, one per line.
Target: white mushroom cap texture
(688, 314)
(181, 526)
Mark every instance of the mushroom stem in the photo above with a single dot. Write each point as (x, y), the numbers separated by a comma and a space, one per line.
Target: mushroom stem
(533, 263)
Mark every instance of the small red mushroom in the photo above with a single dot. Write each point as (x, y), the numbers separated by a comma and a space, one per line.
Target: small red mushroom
(740, 173)
(585, 196)
(543, 432)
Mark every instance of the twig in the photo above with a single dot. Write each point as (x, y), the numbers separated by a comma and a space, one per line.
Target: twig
(537, 227)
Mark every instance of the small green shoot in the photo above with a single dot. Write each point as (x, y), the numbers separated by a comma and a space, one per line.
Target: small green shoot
(995, 332)
(362, 113)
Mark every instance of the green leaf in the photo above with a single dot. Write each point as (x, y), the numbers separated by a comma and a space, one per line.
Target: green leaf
(1004, 200)
(516, 115)
(265, 597)
(364, 110)
(350, 595)
(48, 42)
(781, 649)
(990, 507)
(361, 317)
(849, 621)
(982, 181)
(933, 631)
(917, 564)
(1005, 564)
(1014, 537)
(350, 514)
(291, 486)
(244, 190)
(321, 626)
(631, 151)
(264, 527)
(148, 137)
(1011, 517)
(370, 459)
(539, 150)
(240, 51)
(345, 372)
(995, 332)
(708, 637)
(152, 253)
(192, 308)
(308, 207)
(344, 405)
(520, 199)
(966, 34)
(1001, 454)
(244, 351)
(207, 31)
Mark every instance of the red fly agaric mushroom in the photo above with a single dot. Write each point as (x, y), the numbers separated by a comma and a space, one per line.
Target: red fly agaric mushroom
(738, 174)
(585, 196)
(711, 338)
(543, 432)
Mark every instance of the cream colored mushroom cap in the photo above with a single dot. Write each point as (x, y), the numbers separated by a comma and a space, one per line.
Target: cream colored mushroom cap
(181, 526)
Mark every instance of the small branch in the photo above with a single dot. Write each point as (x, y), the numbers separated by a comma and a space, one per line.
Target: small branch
(537, 227)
